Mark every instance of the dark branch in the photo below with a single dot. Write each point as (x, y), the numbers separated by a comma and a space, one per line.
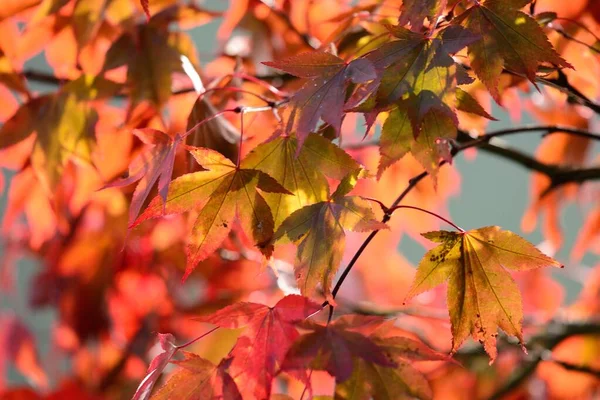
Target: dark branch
(558, 175)
(578, 368)
(548, 338)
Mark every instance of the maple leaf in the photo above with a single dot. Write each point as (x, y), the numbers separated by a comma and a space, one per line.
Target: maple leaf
(397, 139)
(156, 367)
(402, 381)
(319, 231)
(151, 56)
(417, 70)
(303, 175)
(269, 334)
(482, 296)
(64, 123)
(198, 378)
(509, 39)
(87, 18)
(154, 164)
(465, 102)
(332, 348)
(415, 11)
(324, 94)
(216, 133)
(220, 193)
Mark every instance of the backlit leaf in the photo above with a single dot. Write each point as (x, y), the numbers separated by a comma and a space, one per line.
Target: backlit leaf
(198, 378)
(219, 193)
(154, 164)
(268, 335)
(303, 175)
(397, 139)
(318, 229)
(324, 94)
(509, 39)
(482, 296)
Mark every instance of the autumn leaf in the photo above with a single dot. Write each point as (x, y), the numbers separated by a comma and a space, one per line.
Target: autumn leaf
(219, 193)
(64, 123)
(324, 94)
(482, 296)
(87, 18)
(303, 175)
(269, 333)
(333, 348)
(158, 364)
(154, 164)
(415, 11)
(418, 70)
(402, 381)
(510, 39)
(151, 56)
(467, 103)
(198, 378)
(397, 139)
(319, 231)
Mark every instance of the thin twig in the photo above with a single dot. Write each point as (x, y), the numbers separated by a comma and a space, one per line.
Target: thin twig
(558, 175)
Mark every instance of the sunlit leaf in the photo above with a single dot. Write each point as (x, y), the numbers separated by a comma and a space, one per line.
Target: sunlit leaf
(304, 174)
(509, 39)
(324, 94)
(198, 378)
(482, 296)
(318, 229)
(220, 193)
(269, 333)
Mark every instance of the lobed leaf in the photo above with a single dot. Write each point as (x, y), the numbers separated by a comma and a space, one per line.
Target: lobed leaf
(319, 231)
(509, 39)
(269, 333)
(220, 193)
(482, 296)
(324, 94)
(303, 175)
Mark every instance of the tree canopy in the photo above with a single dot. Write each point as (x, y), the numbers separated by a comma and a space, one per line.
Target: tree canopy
(226, 225)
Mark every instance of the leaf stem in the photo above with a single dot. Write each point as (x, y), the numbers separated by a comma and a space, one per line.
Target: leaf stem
(239, 156)
(205, 120)
(191, 342)
(391, 210)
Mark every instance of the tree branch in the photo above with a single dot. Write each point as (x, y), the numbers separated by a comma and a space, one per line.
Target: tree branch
(558, 175)
(578, 368)
(549, 337)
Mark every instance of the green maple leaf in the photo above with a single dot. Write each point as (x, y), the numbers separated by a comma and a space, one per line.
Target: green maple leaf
(429, 148)
(220, 193)
(482, 296)
(417, 71)
(318, 229)
(303, 175)
(509, 39)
